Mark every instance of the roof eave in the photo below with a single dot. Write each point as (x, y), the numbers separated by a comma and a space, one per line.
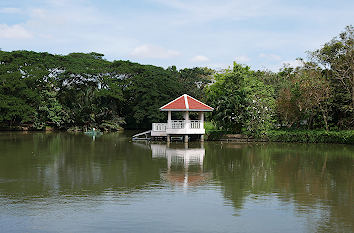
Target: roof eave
(186, 110)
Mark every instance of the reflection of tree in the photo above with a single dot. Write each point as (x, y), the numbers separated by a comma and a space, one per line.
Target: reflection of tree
(239, 170)
(41, 165)
(321, 179)
(314, 177)
(317, 179)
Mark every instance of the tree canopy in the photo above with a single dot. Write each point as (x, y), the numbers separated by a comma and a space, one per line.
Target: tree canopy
(81, 90)
(85, 90)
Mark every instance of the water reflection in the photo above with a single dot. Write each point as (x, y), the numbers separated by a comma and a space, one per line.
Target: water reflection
(309, 187)
(184, 164)
(317, 180)
(45, 165)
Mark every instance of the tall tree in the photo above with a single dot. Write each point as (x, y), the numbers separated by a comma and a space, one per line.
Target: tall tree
(242, 101)
(307, 94)
(337, 56)
(145, 89)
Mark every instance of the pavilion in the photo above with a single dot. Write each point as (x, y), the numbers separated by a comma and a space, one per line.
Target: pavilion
(186, 127)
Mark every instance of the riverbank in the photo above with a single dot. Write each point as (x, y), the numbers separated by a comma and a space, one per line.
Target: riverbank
(312, 136)
(295, 136)
(300, 136)
(74, 129)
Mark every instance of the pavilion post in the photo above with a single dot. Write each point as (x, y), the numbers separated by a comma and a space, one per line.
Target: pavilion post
(202, 137)
(186, 118)
(201, 118)
(169, 119)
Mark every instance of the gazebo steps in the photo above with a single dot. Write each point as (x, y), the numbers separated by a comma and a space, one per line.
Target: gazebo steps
(146, 133)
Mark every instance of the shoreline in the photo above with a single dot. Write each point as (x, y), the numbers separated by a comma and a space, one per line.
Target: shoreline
(345, 137)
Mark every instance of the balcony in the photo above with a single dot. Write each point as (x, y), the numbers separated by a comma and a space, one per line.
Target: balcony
(178, 127)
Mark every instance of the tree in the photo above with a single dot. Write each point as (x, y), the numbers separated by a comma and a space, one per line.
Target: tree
(286, 106)
(23, 75)
(145, 89)
(85, 89)
(228, 99)
(242, 101)
(315, 92)
(306, 94)
(337, 57)
(50, 111)
(193, 81)
(260, 106)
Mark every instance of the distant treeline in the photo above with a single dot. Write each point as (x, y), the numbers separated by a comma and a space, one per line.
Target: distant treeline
(84, 90)
(81, 90)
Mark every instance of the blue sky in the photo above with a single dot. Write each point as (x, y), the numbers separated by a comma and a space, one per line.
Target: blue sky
(261, 33)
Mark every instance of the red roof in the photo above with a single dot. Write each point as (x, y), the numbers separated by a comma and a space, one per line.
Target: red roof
(186, 103)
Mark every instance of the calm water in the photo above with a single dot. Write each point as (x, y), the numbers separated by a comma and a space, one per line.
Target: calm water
(60, 182)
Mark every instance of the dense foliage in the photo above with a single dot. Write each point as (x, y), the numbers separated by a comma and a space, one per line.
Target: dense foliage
(311, 136)
(84, 90)
(318, 94)
(81, 90)
(242, 101)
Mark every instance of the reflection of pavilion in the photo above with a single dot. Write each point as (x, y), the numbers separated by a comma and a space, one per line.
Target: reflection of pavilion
(184, 165)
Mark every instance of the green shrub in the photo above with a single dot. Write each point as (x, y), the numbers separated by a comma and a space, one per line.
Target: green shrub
(110, 126)
(209, 126)
(311, 136)
(214, 135)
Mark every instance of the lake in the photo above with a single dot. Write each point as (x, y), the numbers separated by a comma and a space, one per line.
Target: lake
(60, 182)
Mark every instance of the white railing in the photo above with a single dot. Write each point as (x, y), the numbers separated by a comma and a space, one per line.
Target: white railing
(161, 127)
(195, 124)
(178, 124)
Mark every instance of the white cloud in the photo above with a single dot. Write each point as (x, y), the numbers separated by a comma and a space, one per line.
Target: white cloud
(10, 10)
(14, 32)
(200, 58)
(291, 63)
(63, 26)
(242, 59)
(73, 27)
(219, 66)
(38, 13)
(275, 67)
(270, 56)
(203, 10)
(153, 51)
(191, 11)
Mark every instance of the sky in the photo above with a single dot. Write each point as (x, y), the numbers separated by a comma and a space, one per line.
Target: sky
(264, 34)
